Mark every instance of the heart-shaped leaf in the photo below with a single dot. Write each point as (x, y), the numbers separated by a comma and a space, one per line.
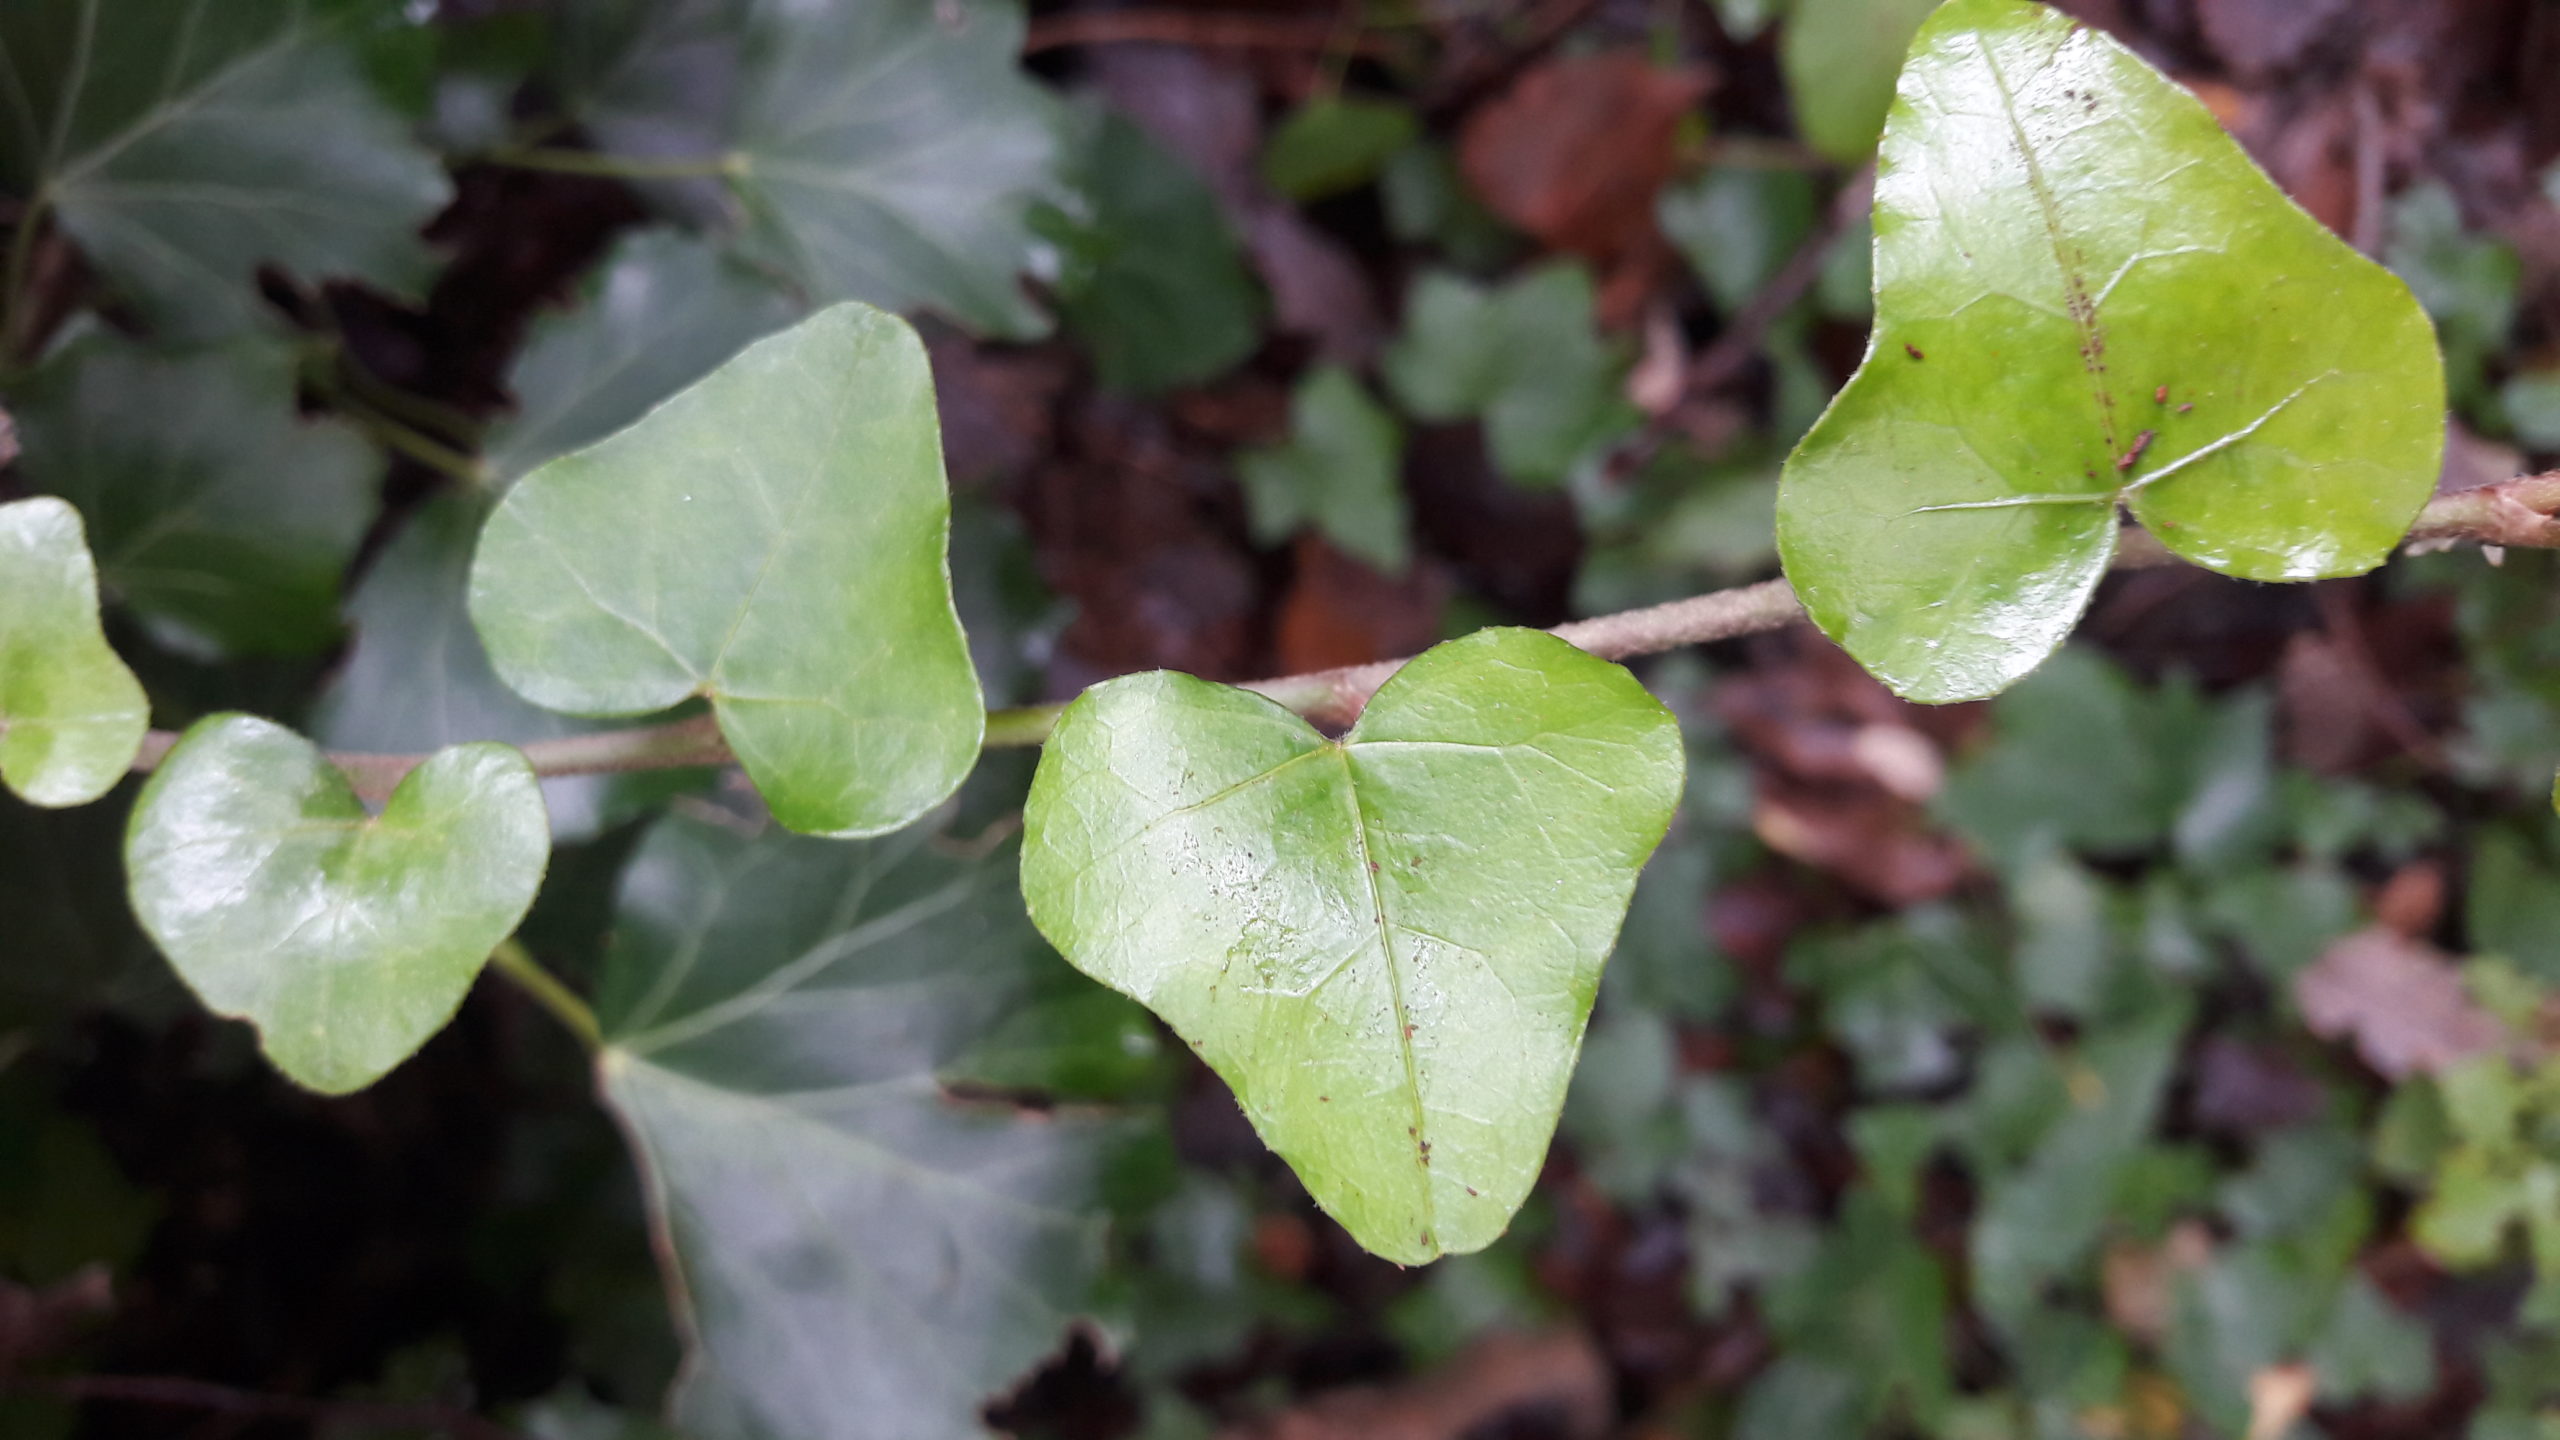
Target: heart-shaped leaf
(2087, 296)
(71, 714)
(187, 142)
(858, 1254)
(1386, 944)
(347, 939)
(772, 538)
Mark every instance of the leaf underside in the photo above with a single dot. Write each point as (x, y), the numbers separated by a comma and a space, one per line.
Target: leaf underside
(1394, 987)
(2086, 297)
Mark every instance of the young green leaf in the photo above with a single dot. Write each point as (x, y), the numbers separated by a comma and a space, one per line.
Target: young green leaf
(857, 1255)
(1337, 472)
(1151, 277)
(347, 939)
(2087, 296)
(416, 678)
(1394, 988)
(184, 143)
(772, 539)
(71, 714)
(217, 514)
(665, 310)
(1524, 358)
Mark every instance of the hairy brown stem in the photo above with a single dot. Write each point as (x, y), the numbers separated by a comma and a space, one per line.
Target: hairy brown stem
(2514, 512)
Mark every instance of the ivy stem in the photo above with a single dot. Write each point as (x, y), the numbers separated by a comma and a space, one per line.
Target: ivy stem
(515, 962)
(615, 167)
(14, 298)
(2512, 512)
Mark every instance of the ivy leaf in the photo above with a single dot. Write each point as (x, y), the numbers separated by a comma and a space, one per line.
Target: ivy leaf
(71, 715)
(184, 143)
(772, 539)
(2085, 296)
(858, 1254)
(891, 152)
(347, 939)
(1338, 472)
(417, 678)
(1524, 358)
(216, 513)
(665, 310)
(1394, 989)
(1151, 276)
(1335, 144)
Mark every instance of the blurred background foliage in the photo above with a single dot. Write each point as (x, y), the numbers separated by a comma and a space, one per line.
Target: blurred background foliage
(2165, 1049)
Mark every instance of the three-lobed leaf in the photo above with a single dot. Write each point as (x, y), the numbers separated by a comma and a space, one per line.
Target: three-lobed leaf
(217, 514)
(1387, 944)
(184, 143)
(772, 539)
(855, 1253)
(72, 716)
(2086, 296)
(1338, 472)
(1524, 358)
(347, 939)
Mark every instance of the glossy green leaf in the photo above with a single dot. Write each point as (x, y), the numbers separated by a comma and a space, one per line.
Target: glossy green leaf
(1840, 58)
(1394, 988)
(71, 714)
(184, 143)
(347, 939)
(1524, 358)
(855, 1252)
(417, 679)
(772, 539)
(665, 310)
(217, 513)
(1334, 144)
(2087, 296)
(1338, 473)
(1151, 278)
(890, 151)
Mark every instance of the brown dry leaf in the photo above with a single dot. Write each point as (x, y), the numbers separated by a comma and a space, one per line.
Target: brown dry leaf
(2138, 1281)
(1871, 842)
(1574, 151)
(2244, 1088)
(1340, 612)
(2412, 900)
(1561, 1378)
(1317, 287)
(2258, 38)
(2399, 1000)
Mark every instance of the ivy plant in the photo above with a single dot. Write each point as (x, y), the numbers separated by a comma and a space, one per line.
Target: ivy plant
(1377, 902)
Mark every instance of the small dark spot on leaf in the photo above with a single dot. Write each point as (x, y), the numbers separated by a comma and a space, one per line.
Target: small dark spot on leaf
(1324, 1099)
(1471, 1190)
(1373, 867)
(2127, 460)
(2183, 409)
(1913, 351)
(1408, 1032)
(2160, 396)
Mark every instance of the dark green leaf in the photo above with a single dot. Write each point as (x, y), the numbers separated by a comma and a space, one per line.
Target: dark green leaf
(2087, 296)
(1152, 278)
(71, 714)
(665, 310)
(857, 1253)
(184, 143)
(1337, 473)
(1735, 227)
(772, 539)
(216, 512)
(1840, 59)
(1394, 990)
(347, 939)
(1334, 144)
(890, 151)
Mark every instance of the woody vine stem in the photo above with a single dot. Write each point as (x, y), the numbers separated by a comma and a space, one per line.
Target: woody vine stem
(2516, 512)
